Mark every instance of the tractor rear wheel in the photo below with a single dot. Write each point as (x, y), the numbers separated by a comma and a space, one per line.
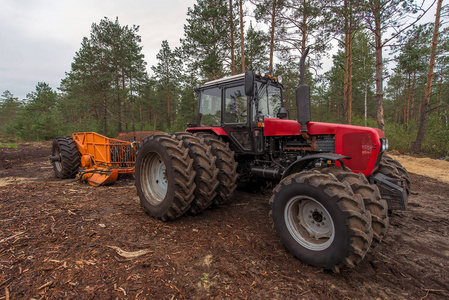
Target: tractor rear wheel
(227, 167)
(206, 171)
(376, 206)
(320, 220)
(65, 157)
(165, 178)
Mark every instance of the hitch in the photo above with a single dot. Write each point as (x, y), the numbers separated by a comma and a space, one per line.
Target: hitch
(54, 158)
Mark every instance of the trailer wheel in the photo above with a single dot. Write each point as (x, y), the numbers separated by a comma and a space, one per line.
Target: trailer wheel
(376, 206)
(164, 177)
(65, 157)
(227, 167)
(320, 220)
(386, 160)
(206, 171)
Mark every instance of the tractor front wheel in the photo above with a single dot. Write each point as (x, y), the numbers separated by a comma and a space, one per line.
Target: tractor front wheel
(370, 194)
(164, 177)
(65, 157)
(320, 220)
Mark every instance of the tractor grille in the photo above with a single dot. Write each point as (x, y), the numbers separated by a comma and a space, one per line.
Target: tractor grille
(326, 143)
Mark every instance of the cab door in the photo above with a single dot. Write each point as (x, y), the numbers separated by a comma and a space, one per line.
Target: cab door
(236, 119)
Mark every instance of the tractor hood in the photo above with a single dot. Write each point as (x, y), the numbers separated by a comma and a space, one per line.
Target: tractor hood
(277, 127)
(363, 144)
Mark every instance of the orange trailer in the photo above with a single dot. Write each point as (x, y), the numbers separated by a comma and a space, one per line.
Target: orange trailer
(100, 158)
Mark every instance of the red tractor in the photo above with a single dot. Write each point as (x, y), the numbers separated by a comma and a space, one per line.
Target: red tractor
(334, 185)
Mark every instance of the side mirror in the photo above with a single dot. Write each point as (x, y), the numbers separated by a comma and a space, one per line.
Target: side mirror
(249, 83)
(282, 113)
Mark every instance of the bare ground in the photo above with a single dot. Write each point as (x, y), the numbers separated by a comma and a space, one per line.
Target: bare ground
(65, 239)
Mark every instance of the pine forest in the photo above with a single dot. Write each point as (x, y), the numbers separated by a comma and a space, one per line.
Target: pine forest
(389, 70)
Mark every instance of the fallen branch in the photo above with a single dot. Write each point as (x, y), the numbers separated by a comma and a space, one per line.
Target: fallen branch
(11, 237)
(45, 285)
(127, 254)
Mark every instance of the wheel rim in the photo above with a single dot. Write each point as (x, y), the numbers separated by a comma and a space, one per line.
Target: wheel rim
(58, 164)
(154, 178)
(309, 223)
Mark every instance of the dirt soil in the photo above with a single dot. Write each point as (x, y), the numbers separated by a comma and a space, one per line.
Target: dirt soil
(65, 239)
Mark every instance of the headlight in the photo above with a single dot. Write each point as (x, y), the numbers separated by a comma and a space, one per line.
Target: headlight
(383, 144)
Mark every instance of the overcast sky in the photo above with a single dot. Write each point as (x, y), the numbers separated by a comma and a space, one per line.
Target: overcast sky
(38, 39)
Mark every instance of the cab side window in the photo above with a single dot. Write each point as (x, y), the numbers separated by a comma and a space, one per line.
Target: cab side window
(235, 105)
(210, 107)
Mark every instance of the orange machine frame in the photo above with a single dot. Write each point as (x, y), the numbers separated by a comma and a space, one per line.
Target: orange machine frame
(104, 158)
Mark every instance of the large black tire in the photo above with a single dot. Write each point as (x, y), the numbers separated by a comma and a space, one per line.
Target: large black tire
(320, 220)
(386, 160)
(227, 167)
(374, 204)
(165, 178)
(65, 157)
(206, 171)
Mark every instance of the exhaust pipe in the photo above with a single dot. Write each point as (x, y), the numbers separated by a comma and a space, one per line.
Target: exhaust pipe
(303, 97)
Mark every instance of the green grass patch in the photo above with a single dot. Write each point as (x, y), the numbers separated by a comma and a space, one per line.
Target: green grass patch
(9, 145)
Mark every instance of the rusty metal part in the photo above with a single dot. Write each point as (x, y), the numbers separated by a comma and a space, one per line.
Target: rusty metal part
(98, 177)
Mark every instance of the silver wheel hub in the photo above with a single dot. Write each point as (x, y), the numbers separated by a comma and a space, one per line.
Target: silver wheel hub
(154, 178)
(309, 223)
(58, 164)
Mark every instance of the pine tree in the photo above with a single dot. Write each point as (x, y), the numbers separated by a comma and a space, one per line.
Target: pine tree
(9, 107)
(205, 41)
(105, 72)
(167, 73)
(416, 146)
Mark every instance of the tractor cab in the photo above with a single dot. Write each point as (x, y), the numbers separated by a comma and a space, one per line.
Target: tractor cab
(236, 106)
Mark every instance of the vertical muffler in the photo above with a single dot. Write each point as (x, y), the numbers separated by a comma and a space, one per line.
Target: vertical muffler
(303, 97)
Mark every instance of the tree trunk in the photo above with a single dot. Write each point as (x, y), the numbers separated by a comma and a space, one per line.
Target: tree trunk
(439, 95)
(119, 110)
(347, 99)
(349, 112)
(379, 76)
(168, 103)
(412, 100)
(350, 77)
(242, 36)
(231, 24)
(345, 81)
(273, 14)
(124, 101)
(131, 99)
(416, 146)
(140, 116)
(366, 104)
(407, 110)
(105, 110)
